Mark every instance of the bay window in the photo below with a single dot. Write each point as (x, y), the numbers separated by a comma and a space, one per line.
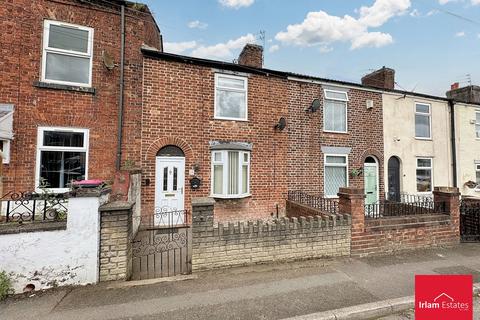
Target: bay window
(230, 173)
(62, 155)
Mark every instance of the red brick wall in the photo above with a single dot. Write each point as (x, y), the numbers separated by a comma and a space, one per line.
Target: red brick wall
(21, 52)
(178, 109)
(306, 136)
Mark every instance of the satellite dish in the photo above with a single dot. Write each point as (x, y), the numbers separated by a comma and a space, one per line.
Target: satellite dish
(282, 123)
(108, 60)
(314, 106)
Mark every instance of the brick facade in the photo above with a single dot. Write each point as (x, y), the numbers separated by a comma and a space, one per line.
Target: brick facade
(178, 109)
(35, 105)
(306, 136)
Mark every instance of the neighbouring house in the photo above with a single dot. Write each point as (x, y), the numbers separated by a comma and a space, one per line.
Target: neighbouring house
(418, 150)
(60, 93)
(245, 135)
(466, 103)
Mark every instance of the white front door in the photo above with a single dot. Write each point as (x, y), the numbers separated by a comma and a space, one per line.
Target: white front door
(169, 191)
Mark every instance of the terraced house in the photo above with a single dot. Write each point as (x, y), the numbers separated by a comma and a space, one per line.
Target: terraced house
(70, 93)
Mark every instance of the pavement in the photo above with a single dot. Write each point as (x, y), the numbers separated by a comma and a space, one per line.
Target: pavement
(274, 291)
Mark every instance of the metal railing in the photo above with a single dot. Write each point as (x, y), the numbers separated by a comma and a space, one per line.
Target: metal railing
(164, 217)
(317, 202)
(24, 207)
(398, 209)
(409, 198)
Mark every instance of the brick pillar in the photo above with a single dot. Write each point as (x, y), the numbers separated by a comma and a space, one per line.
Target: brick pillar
(450, 197)
(116, 241)
(351, 201)
(202, 218)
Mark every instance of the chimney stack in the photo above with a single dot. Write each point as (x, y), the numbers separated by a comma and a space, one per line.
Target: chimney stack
(383, 78)
(251, 56)
(469, 94)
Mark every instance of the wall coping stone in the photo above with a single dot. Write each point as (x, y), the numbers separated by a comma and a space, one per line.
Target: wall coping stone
(88, 193)
(450, 190)
(197, 202)
(117, 206)
(14, 228)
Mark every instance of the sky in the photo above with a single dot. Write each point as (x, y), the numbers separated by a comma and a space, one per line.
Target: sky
(430, 43)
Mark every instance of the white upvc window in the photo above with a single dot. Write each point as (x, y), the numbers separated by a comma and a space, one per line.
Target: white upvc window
(335, 174)
(477, 124)
(477, 175)
(335, 111)
(67, 54)
(5, 149)
(62, 157)
(424, 175)
(231, 97)
(230, 174)
(423, 121)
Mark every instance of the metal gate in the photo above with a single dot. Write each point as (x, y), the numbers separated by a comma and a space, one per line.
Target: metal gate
(162, 246)
(470, 221)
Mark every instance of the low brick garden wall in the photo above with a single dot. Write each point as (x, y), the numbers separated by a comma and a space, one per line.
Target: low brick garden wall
(387, 235)
(246, 243)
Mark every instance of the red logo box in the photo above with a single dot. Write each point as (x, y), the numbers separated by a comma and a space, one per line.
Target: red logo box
(443, 297)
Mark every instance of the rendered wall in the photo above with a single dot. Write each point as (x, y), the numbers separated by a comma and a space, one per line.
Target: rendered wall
(56, 258)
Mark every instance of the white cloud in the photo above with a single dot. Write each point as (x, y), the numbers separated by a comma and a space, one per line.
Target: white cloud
(223, 50)
(325, 49)
(460, 34)
(432, 12)
(274, 48)
(236, 4)
(321, 29)
(179, 47)
(415, 13)
(475, 2)
(196, 24)
(443, 2)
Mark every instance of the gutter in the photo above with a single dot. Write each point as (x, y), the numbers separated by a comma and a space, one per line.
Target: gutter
(121, 93)
(451, 104)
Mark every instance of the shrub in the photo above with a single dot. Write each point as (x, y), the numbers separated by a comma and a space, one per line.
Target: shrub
(6, 287)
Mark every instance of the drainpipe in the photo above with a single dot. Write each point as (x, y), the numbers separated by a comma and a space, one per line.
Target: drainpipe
(451, 104)
(120, 98)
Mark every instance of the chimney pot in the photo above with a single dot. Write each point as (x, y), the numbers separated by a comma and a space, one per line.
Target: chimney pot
(251, 56)
(383, 78)
(454, 86)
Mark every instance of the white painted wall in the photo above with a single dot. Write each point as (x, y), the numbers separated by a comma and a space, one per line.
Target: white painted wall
(468, 147)
(400, 141)
(50, 258)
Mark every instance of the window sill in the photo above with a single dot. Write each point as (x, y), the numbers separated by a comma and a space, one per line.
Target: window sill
(230, 197)
(230, 119)
(56, 86)
(423, 139)
(335, 132)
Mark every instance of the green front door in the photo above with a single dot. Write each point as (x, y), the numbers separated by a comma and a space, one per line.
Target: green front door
(371, 188)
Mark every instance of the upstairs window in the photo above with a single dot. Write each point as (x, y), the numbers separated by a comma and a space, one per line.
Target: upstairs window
(231, 97)
(230, 174)
(67, 54)
(422, 121)
(477, 173)
(335, 111)
(424, 175)
(336, 174)
(61, 156)
(477, 124)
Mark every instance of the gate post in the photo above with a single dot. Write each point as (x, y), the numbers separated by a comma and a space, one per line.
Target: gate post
(116, 241)
(351, 201)
(450, 198)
